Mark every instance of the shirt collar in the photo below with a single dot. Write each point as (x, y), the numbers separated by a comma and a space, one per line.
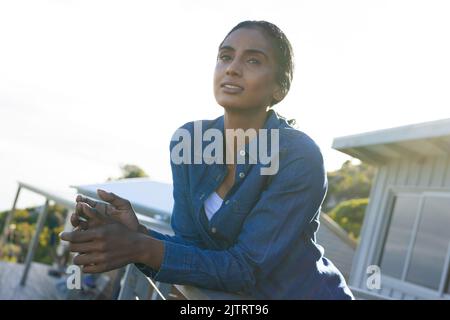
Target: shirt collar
(272, 122)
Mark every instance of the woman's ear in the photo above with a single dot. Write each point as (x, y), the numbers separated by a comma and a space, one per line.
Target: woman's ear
(278, 93)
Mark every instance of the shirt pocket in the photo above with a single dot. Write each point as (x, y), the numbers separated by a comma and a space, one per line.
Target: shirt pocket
(242, 207)
(230, 225)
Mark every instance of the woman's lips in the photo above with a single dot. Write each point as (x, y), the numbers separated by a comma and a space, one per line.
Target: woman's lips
(230, 88)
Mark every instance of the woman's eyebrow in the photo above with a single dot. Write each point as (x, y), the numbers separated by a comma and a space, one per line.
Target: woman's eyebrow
(230, 48)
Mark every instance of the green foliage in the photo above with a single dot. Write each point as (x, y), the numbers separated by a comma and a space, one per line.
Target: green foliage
(349, 215)
(130, 171)
(2, 219)
(347, 196)
(22, 229)
(351, 181)
(10, 252)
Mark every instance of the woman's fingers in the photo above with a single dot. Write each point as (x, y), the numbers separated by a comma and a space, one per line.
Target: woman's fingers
(114, 199)
(79, 236)
(103, 266)
(75, 219)
(88, 259)
(95, 268)
(84, 247)
(102, 249)
(89, 201)
(102, 207)
(92, 214)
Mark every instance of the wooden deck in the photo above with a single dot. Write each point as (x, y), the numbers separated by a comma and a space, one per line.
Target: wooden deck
(39, 285)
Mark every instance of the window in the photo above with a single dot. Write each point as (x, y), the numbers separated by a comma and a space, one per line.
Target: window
(417, 245)
(431, 243)
(402, 221)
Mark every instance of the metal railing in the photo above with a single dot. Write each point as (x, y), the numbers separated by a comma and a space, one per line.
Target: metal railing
(134, 285)
(49, 196)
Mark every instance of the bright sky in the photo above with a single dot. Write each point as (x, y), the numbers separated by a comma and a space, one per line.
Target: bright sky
(88, 85)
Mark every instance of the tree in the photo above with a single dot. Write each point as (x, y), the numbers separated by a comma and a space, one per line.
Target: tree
(351, 181)
(130, 171)
(347, 196)
(22, 229)
(349, 215)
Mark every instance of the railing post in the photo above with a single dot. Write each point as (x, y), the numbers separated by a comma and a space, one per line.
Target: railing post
(136, 285)
(8, 219)
(116, 286)
(34, 242)
(163, 288)
(128, 284)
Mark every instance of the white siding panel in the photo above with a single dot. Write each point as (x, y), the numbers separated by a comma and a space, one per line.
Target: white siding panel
(401, 179)
(425, 172)
(439, 171)
(413, 172)
(378, 213)
(358, 276)
(446, 174)
(403, 171)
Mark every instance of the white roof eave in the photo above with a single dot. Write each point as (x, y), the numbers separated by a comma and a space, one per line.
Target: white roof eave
(366, 146)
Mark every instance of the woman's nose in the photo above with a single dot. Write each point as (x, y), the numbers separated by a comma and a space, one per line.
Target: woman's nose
(233, 69)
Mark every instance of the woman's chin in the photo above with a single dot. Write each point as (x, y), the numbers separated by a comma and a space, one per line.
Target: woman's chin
(231, 104)
(238, 108)
(234, 108)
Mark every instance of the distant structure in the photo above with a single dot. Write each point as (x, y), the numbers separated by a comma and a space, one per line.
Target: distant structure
(406, 229)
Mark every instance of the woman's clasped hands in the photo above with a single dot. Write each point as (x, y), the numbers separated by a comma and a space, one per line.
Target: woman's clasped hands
(107, 235)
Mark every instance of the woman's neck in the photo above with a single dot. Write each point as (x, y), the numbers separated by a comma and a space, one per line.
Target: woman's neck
(245, 120)
(254, 119)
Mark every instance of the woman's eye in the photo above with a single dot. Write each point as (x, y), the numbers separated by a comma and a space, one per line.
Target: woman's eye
(224, 57)
(253, 61)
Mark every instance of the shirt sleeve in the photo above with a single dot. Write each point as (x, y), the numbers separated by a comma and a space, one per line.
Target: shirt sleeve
(284, 210)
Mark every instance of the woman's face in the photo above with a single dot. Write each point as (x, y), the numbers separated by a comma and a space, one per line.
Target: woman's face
(244, 77)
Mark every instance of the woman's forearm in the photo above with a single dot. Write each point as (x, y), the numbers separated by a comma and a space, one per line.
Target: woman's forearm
(149, 251)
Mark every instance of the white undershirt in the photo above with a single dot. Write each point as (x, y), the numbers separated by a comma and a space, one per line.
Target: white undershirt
(212, 204)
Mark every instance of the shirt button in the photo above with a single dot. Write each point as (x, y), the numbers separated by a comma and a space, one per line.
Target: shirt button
(201, 196)
(228, 201)
(242, 152)
(241, 175)
(213, 230)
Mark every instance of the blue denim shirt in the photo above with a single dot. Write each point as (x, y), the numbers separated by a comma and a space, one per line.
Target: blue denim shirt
(261, 242)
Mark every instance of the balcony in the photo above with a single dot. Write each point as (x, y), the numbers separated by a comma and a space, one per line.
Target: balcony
(31, 280)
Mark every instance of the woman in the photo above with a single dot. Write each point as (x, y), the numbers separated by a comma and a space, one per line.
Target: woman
(236, 228)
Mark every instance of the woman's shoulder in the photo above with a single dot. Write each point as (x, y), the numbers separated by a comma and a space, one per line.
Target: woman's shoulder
(298, 144)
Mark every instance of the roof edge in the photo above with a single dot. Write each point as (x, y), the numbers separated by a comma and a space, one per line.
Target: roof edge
(418, 131)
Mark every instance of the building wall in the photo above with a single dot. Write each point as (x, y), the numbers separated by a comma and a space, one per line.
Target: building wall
(431, 172)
